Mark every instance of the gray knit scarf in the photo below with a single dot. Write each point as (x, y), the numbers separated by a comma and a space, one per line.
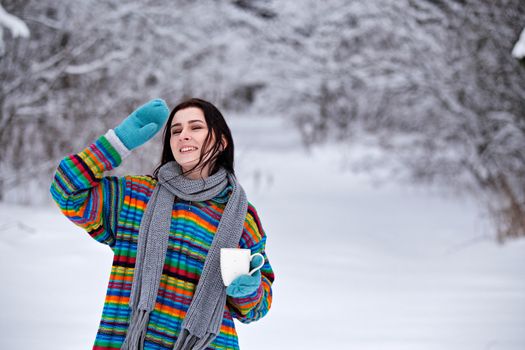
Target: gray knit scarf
(204, 316)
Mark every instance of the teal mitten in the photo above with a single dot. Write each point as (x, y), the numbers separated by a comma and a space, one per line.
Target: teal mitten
(141, 125)
(245, 285)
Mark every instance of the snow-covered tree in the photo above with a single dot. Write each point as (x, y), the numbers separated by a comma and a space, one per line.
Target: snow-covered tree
(89, 63)
(433, 83)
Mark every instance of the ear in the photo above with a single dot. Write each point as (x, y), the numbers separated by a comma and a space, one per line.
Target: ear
(224, 143)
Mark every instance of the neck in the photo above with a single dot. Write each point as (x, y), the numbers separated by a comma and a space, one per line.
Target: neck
(197, 174)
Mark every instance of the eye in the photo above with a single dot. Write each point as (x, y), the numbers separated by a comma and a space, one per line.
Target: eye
(175, 132)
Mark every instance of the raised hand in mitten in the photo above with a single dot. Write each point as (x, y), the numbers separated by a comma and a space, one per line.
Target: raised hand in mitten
(141, 125)
(246, 284)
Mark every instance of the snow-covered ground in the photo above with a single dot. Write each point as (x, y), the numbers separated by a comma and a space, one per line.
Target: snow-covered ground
(357, 266)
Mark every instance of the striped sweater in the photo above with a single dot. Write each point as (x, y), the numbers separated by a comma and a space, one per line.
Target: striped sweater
(110, 209)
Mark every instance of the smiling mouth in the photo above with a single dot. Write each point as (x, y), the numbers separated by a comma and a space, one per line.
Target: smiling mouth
(187, 149)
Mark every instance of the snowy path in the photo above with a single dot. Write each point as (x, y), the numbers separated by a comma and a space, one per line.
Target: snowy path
(356, 268)
(388, 268)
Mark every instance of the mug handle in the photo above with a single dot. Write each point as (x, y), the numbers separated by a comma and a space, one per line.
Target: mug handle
(258, 267)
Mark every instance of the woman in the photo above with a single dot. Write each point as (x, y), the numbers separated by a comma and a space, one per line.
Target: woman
(165, 289)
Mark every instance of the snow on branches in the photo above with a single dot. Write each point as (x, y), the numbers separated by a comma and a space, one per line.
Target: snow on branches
(16, 26)
(519, 48)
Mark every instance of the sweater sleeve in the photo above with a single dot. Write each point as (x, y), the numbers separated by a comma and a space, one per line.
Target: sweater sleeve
(84, 195)
(254, 306)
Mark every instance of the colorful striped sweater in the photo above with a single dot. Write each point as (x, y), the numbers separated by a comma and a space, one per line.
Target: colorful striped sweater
(110, 209)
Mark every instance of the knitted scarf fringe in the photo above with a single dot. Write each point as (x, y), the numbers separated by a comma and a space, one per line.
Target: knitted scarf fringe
(137, 330)
(189, 341)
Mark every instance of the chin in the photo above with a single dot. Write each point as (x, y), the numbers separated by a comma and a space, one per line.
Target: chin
(189, 165)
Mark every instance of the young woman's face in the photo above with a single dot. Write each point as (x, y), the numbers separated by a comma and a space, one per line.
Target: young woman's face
(188, 132)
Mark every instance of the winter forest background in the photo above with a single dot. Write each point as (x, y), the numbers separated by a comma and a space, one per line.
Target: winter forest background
(431, 93)
(432, 82)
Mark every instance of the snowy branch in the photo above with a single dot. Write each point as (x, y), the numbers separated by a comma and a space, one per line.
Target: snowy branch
(14, 24)
(98, 64)
(519, 49)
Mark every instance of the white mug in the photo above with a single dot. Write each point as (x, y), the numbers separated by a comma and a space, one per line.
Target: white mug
(236, 262)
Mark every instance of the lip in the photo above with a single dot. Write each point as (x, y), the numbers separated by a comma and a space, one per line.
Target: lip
(197, 148)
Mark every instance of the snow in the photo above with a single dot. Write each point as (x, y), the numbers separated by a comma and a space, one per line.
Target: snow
(98, 64)
(17, 27)
(519, 48)
(358, 266)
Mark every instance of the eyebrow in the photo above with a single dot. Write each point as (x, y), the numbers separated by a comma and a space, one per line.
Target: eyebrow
(190, 122)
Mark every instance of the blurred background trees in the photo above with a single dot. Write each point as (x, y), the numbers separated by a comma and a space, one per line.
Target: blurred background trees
(432, 84)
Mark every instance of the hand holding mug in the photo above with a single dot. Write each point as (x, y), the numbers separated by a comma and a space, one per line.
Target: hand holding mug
(240, 271)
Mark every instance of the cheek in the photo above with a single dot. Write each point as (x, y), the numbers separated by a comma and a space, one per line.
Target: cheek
(211, 142)
(173, 144)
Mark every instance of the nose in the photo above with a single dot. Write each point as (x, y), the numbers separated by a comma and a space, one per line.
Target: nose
(184, 135)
